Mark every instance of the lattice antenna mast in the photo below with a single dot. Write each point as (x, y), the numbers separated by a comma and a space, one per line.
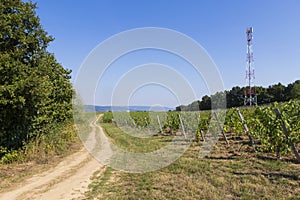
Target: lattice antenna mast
(250, 97)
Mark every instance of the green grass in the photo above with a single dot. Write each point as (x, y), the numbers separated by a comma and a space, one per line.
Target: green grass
(220, 176)
(131, 142)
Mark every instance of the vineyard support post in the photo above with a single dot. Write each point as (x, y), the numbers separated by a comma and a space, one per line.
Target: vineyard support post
(202, 135)
(287, 135)
(146, 122)
(161, 131)
(247, 130)
(201, 131)
(220, 128)
(182, 126)
(134, 124)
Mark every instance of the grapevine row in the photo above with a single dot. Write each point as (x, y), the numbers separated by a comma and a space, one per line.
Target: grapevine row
(263, 125)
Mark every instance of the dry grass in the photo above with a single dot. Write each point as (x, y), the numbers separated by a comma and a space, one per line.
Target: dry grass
(233, 172)
(16, 172)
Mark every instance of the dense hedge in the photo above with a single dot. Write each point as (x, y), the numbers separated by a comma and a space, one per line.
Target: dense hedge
(35, 90)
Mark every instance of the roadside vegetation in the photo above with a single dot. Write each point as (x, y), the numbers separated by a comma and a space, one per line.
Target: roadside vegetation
(36, 123)
(35, 90)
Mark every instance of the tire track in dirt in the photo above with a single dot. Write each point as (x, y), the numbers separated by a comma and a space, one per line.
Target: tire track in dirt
(68, 180)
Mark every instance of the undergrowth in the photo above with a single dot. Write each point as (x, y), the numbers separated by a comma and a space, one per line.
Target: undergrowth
(56, 142)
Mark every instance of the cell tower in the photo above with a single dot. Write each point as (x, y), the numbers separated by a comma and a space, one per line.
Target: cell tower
(250, 97)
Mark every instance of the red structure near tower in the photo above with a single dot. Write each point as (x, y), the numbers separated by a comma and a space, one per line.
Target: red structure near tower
(250, 97)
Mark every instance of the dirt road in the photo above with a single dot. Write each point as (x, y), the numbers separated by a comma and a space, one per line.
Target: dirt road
(68, 180)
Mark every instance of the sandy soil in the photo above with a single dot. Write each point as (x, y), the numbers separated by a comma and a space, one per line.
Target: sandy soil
(68, 180)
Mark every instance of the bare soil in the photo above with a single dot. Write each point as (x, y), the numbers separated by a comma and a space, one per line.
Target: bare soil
(69, 179)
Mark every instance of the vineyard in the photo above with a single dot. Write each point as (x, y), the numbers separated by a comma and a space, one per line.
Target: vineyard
(269, 129)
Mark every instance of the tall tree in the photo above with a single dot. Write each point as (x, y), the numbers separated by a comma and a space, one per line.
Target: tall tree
(277, 92)
(35, 91)
(205, 104)
(263, 97)
(235, 97)
(295, 91)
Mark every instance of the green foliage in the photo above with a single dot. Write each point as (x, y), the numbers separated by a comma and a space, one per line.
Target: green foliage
(233, 124)
(35, 91)
(57, 142)
(198, 135)
(290, 115)
(235, 97)
(11, 156)
(141, 119)
(262, 122)
(204, 120)
(107, 117)
(172, 121)
(267, 128)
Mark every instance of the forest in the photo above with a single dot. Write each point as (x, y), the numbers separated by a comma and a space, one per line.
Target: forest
(235, 96)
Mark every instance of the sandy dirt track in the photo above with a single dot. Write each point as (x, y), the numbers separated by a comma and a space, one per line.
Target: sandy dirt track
(68, 180)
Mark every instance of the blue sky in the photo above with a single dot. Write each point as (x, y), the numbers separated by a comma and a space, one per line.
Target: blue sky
(219, 26)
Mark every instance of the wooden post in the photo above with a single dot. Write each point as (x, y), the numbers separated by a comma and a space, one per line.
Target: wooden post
(201, 131)
(134, 124)
(182, 126)
(247, 130)
(287, 135)
(221, 129)
(161, 131)
(146, 122)
(202, 135)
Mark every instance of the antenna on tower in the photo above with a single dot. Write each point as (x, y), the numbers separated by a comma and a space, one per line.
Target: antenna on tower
(250, 97)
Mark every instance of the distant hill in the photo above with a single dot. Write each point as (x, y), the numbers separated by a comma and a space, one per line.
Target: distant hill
(91, 108)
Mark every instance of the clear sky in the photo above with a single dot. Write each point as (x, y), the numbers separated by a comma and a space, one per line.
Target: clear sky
(219, 26)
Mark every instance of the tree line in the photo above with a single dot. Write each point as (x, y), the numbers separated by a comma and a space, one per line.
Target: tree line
(235, 96)
(35, 90)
